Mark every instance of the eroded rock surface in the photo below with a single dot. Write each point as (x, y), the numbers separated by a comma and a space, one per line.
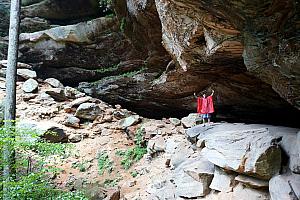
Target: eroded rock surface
(285, 186)
(254, 151)
(262, 34)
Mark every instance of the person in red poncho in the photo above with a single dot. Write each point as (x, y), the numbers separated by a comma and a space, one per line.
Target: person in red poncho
(205, 106)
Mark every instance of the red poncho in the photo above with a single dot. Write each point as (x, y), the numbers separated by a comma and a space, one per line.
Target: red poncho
(205, 105)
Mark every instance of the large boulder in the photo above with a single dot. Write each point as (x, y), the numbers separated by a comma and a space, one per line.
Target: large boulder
(290, 145)
(249, 151)
(178, 149)
(285, 186)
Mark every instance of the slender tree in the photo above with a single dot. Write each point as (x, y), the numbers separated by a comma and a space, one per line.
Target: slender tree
(10, 101)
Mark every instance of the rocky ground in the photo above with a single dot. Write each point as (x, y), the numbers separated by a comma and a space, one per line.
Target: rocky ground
(182, 161)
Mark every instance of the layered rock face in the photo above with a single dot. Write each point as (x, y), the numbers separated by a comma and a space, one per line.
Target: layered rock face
(207, 52)
(76, 44)
(198, 33)
(155, 54)
(80, 52)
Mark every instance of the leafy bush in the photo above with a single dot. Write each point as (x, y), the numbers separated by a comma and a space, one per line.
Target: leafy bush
(31, 180)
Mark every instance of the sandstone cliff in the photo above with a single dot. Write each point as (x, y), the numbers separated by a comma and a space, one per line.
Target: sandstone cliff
(154, 54)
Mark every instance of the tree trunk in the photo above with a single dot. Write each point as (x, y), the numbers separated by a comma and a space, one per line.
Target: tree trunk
(10, 101)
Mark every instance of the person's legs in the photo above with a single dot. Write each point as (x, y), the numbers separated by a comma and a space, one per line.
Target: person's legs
(204, 116)
(208, 118)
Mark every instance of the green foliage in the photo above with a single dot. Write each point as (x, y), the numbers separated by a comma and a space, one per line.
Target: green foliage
(32, 171)
(134, 174)
(111, 15)
(108, 69)
(71, 196)
(105, 2)
(106, 7)
(139, 135)
(31, 186)
(104, 163)
(120, 76)
(82, 166)
(132, 155)
(44, 148)
(112, 182)
(122, 24)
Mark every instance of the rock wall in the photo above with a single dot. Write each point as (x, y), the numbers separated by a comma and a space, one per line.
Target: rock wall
(263, 34)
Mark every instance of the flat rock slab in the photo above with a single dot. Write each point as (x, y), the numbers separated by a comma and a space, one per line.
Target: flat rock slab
(79, 101)
(26, 73)
(285, 187)
(216, 127)
(252, 182)
(19, 64)
(290, 142)
(222, 181)
(254, 151)
(194, 132)
(179, 151)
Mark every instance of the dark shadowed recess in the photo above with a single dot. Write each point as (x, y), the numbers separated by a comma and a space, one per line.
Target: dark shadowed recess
(273, 117)
(289, 116)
